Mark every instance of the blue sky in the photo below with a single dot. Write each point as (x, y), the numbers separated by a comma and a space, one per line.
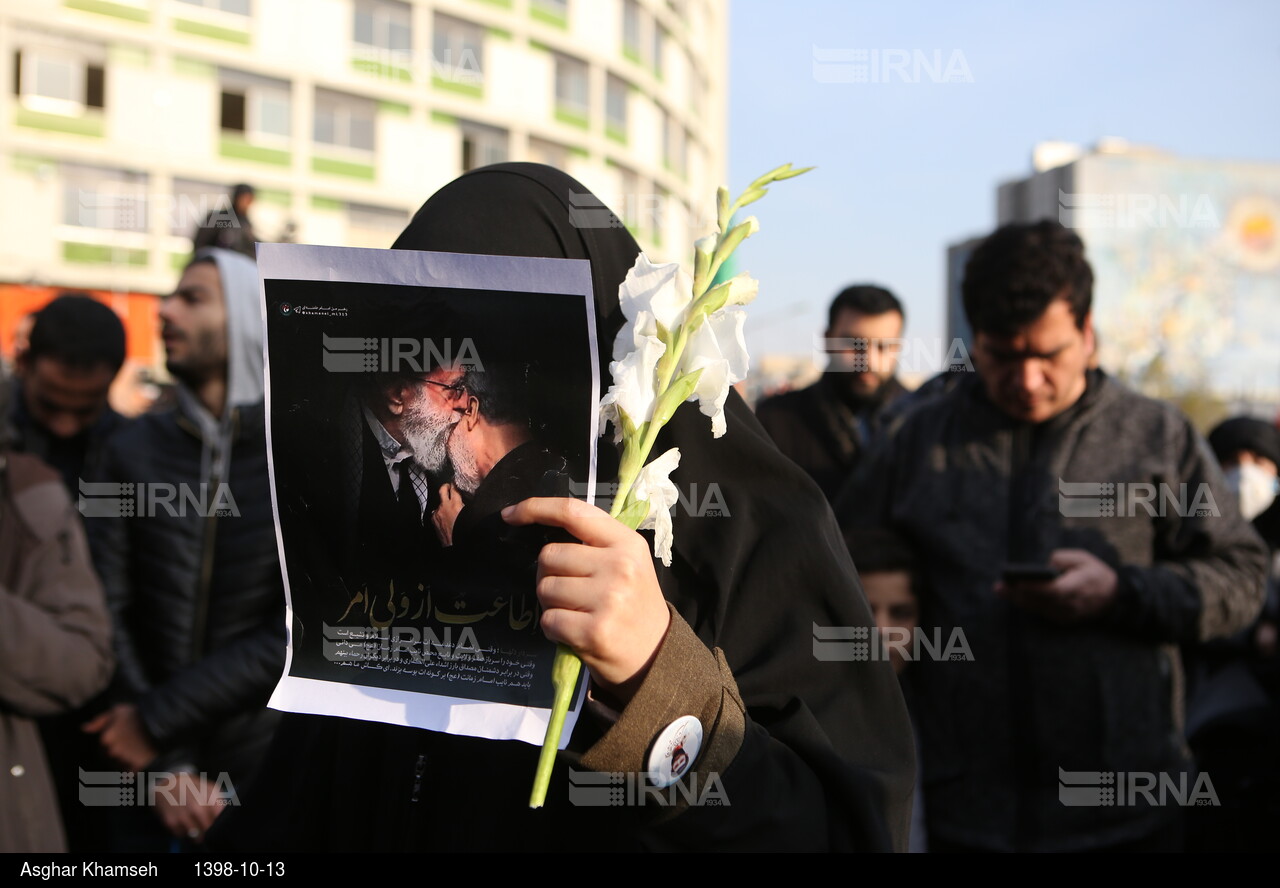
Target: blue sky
(907, 167)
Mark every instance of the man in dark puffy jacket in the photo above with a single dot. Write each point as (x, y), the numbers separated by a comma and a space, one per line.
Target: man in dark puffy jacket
(1076, 533)
(190, 565)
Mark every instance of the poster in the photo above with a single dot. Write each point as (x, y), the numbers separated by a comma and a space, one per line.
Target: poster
(410, 396)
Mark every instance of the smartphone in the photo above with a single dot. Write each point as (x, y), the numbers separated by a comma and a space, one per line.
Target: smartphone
(1029, 573)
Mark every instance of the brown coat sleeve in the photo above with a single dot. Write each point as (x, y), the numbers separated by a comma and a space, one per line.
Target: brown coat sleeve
(55, 642)
(685, 679)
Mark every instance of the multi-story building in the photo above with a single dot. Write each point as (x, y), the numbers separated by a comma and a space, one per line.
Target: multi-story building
(123, 123)
(1186, 261)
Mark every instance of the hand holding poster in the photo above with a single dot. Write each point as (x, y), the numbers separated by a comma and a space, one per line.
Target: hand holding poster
(411, 397)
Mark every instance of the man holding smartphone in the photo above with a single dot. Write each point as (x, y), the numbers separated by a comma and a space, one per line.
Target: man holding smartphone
(1076, 532)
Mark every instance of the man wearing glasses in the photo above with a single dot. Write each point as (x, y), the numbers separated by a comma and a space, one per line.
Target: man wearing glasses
(405, 419)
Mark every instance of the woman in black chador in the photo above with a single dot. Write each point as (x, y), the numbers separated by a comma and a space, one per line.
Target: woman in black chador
(803, 753)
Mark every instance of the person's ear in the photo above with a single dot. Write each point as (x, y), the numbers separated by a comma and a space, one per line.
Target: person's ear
(395, 395)
(1090, 341)
(471, 412)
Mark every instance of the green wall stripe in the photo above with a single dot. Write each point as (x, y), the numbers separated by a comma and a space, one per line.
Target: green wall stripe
(115, 10)
(213, 32)
(239, 149)
(343, 168)
(85, 125)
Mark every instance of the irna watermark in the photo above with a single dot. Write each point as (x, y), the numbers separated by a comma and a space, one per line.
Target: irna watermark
(1136, 210)
(127, 210)
(395, 354)
(125, 789)
(870, 643)
(640, 210)
(409, 645)
(909, 354)
(1106, 499)
(150, 499)
(602, 789)
(1106, 789)
(442, 66)
(695, 500)
(872, 66)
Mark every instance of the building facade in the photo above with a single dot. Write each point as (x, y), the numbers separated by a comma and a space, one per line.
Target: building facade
(124, 123)
(1186, 261)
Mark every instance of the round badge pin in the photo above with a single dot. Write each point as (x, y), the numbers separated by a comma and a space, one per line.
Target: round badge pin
(675, 751)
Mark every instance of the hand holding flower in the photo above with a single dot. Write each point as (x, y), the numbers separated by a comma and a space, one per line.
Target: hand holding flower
(601, 596)
(682, 341)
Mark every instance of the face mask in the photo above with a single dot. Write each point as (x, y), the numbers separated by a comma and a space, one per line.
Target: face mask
(1255, 487)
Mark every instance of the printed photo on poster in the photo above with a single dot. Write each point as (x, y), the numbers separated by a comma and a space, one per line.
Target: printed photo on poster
(411, 397)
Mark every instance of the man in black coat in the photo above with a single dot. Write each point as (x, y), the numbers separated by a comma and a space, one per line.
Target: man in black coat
(1076, 533)
(188, 559)
(829, 426)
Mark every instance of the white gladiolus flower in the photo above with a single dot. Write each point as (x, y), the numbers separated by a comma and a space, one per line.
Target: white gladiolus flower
(700, 353)
(718, 349)
(662, 291)
(742, 289)
(633, 390)
(655, 487)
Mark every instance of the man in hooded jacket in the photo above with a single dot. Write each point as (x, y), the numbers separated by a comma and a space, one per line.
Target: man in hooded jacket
(806, 753)
(190, 568)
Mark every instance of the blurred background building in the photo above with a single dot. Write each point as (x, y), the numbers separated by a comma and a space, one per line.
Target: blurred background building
(1186, 259)
(124, 123)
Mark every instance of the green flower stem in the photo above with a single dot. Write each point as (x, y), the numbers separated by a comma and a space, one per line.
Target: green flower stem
(633, 457)
(564, 677)
(567, 666)
(668, 363)
(637, 445)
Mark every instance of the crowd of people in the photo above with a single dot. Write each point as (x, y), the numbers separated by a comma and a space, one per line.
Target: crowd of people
(1108, 639)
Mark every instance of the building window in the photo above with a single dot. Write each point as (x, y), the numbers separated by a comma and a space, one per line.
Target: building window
(255, 106)
(194, 201)
(373, 227)
(96, 197)
(558, 8)
(674, 146)
(383, 26)
(344, 121)
(661, 202)
(617, 93)
(59, 80)
(632, 44)
(236, 7)
(694, 82)
(631, 203)
(549, 153)
(571, 89)
(482, 145)
(457, 51)
(659, 48)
